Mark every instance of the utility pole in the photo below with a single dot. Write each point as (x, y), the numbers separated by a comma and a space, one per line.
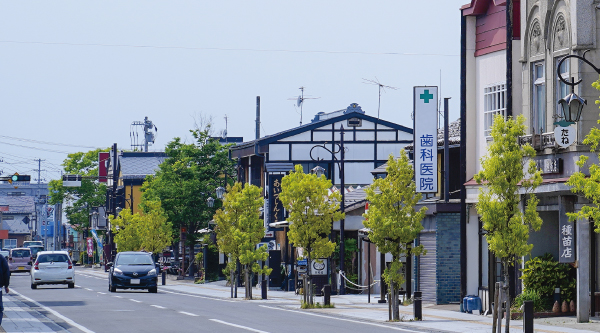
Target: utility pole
(39, 170)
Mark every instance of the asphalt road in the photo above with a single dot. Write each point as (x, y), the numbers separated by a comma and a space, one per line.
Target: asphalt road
(90, 307)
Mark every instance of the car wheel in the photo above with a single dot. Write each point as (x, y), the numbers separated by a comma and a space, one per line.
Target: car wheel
(71, 285)
(33, 286)
(112, 289)
(153, 290)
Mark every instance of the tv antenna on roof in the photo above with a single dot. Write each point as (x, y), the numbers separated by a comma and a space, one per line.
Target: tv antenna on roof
(300, 101)
(381, 86)
(149, 137)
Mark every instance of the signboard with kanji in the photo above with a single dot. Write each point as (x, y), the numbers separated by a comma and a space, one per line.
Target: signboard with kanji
(566, 242)
(275, 206)
(90, 247)
(425, 138)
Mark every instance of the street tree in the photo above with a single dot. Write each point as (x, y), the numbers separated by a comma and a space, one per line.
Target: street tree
(78, 201)
(589, 187)
(312, 211)
(185, 180)
(507, 168)
(392, 220)
(239, 229)
(148, 231)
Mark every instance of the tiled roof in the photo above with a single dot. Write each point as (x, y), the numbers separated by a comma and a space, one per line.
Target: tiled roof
(453, 135)
(18, 204)
(139, 165)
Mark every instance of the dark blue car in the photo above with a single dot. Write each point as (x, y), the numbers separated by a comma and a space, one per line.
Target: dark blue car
(133, 270)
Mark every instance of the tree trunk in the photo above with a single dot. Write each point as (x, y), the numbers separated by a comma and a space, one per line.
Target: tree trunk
(248, 289)
(507, 295)
(231, 281)
(391, 300)
(192, 264)
(500, 311)
(310, 286)
(397, 303)
(495, 309)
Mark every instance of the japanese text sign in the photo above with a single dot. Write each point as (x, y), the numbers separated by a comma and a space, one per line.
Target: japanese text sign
(425, 138)
(566, 241)
(275, 205)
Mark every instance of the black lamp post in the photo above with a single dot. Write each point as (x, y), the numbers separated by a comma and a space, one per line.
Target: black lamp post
(318, 170)
(572, 104)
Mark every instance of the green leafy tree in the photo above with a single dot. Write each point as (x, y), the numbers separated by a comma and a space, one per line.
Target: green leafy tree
(393, 221)
(148, 231)
(126, 231)
(78, 201)
(186, 179)
(589, 187)
(502, 175)
(311, 214)
(239, 230)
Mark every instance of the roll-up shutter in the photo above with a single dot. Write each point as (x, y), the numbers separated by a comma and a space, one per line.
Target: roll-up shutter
(427, 268)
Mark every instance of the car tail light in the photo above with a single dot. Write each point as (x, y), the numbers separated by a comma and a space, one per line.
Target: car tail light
(36, 266)
(9, 259)
(70, 265)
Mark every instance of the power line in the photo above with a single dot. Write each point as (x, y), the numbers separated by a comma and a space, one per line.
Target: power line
(28, 147)
(229, 49)
(45, 142)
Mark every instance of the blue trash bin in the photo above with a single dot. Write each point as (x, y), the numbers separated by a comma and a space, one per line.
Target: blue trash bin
(471, 302)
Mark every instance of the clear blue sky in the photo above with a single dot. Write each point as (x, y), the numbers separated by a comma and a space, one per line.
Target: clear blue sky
(79, 72)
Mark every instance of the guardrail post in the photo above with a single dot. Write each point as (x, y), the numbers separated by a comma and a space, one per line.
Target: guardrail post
(417, 306)
(326, 294)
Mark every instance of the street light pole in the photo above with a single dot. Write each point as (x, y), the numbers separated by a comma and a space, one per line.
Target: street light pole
(340, 162)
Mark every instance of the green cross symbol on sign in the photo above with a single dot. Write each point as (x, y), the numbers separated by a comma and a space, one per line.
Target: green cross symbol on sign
(426, 96)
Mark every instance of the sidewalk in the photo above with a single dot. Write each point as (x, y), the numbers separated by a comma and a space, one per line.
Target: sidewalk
(445, 318)
(19, 317)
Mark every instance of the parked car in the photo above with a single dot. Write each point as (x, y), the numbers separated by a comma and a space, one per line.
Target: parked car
(5, 253)
(35, 249)
(133, 270)
(52, 267)
(19, 259)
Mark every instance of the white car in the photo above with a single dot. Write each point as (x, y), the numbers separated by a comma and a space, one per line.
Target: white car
(52, 267)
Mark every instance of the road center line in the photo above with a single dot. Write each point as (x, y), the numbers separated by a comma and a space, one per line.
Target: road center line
(340, 319)
(135, 300)
(68, 320)
(188, 314)
(101, 293)
(197, 296)
(118, 296)
(238, 326)
(158, 306)
(88, 289)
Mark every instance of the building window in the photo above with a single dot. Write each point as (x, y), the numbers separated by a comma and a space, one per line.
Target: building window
(562, 89)
(538, 121)
(494, 102)
(9, 244)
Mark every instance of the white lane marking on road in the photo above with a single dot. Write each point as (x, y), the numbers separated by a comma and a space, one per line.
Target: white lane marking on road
(197, 296)
(188, 314)
(88, 289)
(135, 300)
(101, 293)
(158, 306)
(341, 319)
(118, 296)
(238, 326)
(78, 286)
(68, 320)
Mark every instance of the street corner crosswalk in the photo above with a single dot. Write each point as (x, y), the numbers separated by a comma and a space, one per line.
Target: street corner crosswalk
(19, 317)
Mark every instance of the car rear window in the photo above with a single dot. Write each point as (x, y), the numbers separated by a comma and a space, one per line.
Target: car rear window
(21, 253)
(58, 257)
(134, 259)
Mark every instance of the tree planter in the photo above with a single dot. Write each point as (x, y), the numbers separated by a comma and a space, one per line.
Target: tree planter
(549, 314)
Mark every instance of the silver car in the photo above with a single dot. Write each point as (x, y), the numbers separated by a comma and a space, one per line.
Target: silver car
(52, 267)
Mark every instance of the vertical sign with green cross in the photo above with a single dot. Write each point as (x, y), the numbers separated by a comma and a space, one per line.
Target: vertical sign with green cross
(425, 138)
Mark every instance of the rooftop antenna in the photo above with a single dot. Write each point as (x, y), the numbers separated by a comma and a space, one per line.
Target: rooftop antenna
(149, 134)
(224, 134)
(381, 86)
(300, 101)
